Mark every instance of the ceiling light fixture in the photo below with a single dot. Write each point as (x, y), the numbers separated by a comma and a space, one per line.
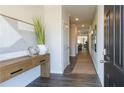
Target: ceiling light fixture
(83, 25)
(76, 19)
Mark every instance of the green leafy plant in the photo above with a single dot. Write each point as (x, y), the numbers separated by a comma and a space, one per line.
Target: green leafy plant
(39, 31)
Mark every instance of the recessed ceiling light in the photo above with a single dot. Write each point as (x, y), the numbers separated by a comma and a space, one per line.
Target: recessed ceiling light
(83, 25)
(76, 19)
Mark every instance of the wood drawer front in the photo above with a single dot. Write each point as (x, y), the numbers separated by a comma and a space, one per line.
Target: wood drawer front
(38, 60)
(14, 69)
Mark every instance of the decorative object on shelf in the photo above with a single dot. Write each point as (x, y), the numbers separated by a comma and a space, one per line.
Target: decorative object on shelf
(33, 50)
(40, 34)
(43, 49)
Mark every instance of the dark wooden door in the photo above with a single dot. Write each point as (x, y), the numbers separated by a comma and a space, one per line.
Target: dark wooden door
(114, 46)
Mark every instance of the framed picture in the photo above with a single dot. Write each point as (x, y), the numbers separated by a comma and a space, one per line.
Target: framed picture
(94, 38)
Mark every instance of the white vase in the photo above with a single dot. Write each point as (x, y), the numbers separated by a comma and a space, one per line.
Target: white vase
(43, 49)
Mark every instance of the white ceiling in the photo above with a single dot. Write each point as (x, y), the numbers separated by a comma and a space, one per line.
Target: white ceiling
(85, 13)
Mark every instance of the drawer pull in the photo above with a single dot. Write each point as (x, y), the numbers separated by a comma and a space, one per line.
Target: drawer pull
(16, 71)
(42, 61)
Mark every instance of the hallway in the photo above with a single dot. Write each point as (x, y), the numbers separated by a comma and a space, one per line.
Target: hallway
(81, 75)
(84, 64)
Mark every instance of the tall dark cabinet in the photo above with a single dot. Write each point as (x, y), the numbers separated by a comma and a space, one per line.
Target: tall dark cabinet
(114, 45)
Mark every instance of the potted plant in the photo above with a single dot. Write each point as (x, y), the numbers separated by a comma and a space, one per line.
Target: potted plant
(40, 35)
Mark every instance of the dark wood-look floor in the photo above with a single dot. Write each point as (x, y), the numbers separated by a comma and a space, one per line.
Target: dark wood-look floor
(68, 79)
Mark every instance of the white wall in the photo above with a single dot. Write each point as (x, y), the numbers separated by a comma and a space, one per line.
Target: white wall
(56, 20)
(100, 43)
(97, 56)
(93, 53)
(53, 23)
(25, 13)
(65, 38)
(73, 40)
(22, 12)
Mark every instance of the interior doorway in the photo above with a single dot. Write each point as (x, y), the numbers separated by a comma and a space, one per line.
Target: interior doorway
(82, 43)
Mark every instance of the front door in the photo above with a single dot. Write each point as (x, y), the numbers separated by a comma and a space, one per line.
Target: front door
(113, 46)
